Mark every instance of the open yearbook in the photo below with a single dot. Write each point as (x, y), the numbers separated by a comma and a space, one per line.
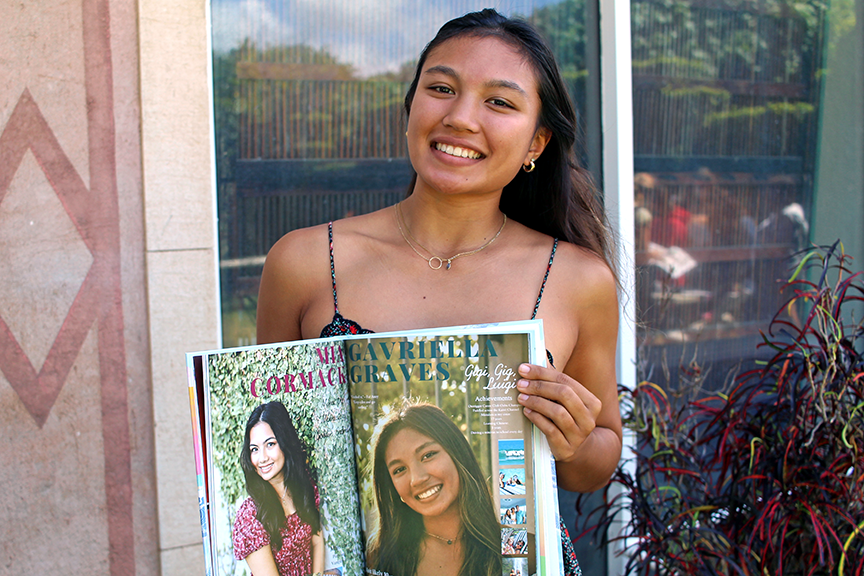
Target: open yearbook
(390, 447)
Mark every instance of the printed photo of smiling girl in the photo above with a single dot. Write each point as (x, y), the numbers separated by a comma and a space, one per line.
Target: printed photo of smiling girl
(434, 507)
(278, 528)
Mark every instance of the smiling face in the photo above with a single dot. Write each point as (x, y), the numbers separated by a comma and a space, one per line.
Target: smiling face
(266, 455)
(423, 473)
(474, 117)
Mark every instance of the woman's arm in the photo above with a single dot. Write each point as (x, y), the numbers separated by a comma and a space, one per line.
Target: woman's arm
(293, 267)
(262, 563)
(577, 408)
(317, 553)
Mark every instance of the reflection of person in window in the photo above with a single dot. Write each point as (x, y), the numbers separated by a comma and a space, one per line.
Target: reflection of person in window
(278, 529)
(435, 510)
(641, 214)
(672, 230)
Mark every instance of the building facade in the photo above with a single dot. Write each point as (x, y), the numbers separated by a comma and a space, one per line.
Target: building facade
(152, 151)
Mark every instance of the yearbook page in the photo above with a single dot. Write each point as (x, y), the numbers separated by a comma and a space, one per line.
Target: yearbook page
(441, 442)
(297, 393)
(314, 411)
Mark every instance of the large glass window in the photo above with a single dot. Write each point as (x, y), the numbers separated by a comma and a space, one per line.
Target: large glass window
(309, 122)
(728, 103)
(749, 147)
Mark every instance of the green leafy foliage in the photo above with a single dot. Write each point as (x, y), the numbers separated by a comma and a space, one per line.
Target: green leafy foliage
(766, 477)
(320, 417)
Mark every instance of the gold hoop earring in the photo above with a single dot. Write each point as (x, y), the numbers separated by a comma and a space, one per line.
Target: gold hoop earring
(529, 168)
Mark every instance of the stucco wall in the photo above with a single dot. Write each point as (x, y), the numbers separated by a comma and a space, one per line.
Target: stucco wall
(77, 443)
(181, 259)
(107, 276)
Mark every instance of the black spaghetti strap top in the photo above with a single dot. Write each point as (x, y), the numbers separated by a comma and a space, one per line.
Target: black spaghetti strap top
(341, 326)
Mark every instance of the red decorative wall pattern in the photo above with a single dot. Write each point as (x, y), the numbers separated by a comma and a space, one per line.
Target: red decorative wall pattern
(94, 212)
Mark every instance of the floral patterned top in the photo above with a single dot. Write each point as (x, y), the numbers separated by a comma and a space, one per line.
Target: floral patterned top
(249, 535)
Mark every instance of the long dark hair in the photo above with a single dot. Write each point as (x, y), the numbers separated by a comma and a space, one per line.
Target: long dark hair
(395, 546)
(295, 474)
(559, 197)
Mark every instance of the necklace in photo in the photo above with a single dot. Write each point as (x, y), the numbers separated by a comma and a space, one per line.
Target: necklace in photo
(448, 541)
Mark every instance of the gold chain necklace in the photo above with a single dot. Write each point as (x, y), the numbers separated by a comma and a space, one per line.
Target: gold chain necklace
(400, 221)
(448, 541)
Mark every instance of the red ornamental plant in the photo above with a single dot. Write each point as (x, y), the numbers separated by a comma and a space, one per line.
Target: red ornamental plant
(767, 477)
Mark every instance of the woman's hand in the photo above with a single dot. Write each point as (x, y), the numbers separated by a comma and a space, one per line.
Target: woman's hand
(564, 410)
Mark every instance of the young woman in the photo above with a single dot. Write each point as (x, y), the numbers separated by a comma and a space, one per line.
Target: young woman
(278, 529)
(435, 511)
(500, 224)
(508, 547)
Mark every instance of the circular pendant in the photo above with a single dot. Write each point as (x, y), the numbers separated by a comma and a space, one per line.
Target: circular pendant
(440, 263)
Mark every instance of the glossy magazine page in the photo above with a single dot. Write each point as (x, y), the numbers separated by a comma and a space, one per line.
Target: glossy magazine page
(299, 390)
(465, 374)
(442, 445)
(195, 376)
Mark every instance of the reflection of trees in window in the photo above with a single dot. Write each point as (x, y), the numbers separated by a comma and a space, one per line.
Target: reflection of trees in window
(715, 78)
(564, 27)
(299, 102)
(725, 101)
(303, 138)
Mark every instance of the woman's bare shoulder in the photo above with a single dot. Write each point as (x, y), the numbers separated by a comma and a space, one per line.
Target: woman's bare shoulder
(585, 271)
(371, 225)
(296, 292)
(303, 252)
(300, 253)
(297, 268)
(580, 270)
(587, 289)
